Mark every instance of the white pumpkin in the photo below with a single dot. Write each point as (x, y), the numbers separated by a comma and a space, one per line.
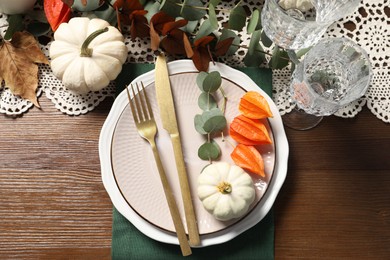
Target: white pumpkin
(16, 6)
(87, 54)
(225, 190)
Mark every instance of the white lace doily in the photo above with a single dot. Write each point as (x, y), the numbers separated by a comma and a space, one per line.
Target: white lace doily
(369, 26)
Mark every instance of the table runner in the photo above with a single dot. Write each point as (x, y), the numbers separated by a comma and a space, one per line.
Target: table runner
(129, 243)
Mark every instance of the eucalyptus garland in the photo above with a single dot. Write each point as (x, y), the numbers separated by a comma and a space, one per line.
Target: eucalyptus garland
(212, 119)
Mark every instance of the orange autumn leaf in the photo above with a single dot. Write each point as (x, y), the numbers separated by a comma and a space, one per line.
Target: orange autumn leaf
(248, 158)
(18, 65)
(249, 131)
(254, 105)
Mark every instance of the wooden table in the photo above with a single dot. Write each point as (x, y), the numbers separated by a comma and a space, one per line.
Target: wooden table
(335, 202)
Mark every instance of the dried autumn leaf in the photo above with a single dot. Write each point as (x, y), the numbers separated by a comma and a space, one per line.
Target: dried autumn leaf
(173, 42)
(154, 38)
(223, 46)
(170, 26)
(201, 56)
(139, 24)
(187, 46)
(201, 59)
(159, 19)
(18, 67)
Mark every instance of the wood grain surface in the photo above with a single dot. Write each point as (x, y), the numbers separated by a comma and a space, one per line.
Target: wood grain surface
(335, 202)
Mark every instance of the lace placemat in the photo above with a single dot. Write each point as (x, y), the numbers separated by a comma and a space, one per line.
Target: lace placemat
(368, 26)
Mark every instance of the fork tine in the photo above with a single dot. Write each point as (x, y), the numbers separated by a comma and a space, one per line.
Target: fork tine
(149, 109)
(143, 100)
(131, 102)
(137, 102)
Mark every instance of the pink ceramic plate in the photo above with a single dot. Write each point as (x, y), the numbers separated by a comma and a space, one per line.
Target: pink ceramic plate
(132, 179)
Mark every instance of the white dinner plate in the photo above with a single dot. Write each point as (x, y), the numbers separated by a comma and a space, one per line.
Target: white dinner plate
(130, 175)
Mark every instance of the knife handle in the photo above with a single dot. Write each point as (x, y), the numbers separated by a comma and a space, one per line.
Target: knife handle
(179, 227)
(189, 211)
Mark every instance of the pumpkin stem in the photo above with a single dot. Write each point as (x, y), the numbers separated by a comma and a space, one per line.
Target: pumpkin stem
(224, 187)
(85, 51)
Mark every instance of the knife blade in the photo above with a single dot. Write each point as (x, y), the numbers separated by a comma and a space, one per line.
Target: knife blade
(168, 117)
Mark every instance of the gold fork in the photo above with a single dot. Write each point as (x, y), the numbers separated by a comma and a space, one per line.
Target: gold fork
(147, 129)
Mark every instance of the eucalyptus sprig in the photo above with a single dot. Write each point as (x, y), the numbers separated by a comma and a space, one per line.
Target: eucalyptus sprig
(212, 119)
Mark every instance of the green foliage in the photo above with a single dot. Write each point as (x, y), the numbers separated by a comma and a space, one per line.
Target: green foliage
(254, 23)
(212, 119)
(15, 22)
(237, 18)
(206, 101)
(192, 10)
(209, 151)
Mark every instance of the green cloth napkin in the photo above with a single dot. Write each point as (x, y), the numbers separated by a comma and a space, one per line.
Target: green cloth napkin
(129, 243)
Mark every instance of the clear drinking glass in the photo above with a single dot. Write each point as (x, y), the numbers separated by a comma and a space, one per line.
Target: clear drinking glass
(298, 28)
(333, 73)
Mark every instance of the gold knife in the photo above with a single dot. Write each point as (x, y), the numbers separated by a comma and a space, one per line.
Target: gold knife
(168, 118)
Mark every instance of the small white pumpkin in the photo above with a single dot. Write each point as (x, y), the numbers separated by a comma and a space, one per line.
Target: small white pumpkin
(87, 54)
(225, 190)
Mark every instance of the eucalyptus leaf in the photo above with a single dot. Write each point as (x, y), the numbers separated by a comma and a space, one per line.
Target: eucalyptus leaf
(279, 59)
(209, 151)
(212, 82)
(193, 10)
(15, 22)
(254, 23)
(226, 33)
(200, 78)
(37, 15)
(190, 27)
(38, 28)
(152, 8)
(205, 29)
(302, 52)
(265, 40)
(213, 16)
(171, 7)
(215, 124)
(293, 56)
(237, 18)
(206, 115)
(214, 120)
(198, 123)
(254, 42)
(256, 58)
(206, 101)
(106, 12)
